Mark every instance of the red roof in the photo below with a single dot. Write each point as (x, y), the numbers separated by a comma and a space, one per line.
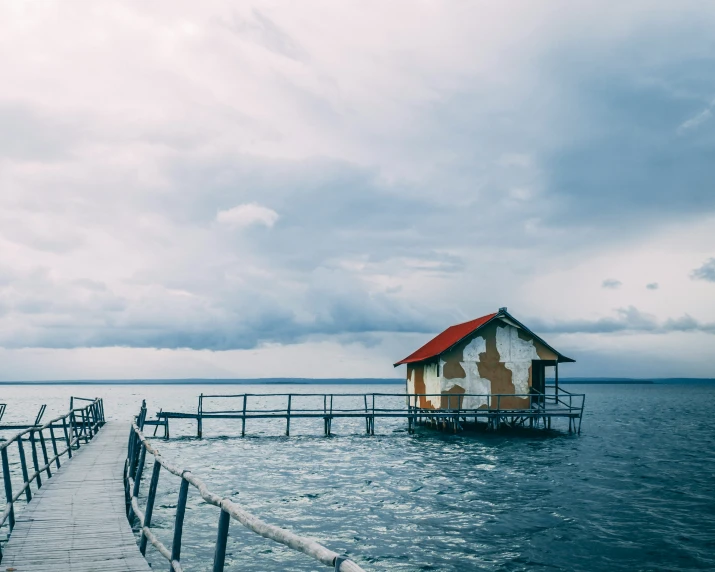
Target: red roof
(446, 340)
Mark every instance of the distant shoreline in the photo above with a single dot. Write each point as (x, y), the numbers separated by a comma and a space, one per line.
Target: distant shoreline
(344, 381)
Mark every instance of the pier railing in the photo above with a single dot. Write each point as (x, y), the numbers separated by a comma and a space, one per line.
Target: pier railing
(532, 407)
(67, 431)
(139, 445)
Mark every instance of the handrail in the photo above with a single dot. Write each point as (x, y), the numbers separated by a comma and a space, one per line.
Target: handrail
(539, 405)
(138, 447)
(92, 419)
(412, 400)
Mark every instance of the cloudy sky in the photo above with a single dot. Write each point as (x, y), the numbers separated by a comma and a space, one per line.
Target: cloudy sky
(247, 189)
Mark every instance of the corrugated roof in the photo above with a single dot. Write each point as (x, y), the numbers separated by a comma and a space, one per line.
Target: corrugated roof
(446, 340)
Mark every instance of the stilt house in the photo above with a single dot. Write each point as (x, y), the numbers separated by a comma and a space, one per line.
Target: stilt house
(493, 358)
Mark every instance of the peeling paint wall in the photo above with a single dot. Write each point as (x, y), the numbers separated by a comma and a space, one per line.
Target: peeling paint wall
(516, 355)
(495, 360)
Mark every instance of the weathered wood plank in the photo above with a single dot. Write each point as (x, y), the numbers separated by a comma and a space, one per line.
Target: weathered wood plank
(77, 520)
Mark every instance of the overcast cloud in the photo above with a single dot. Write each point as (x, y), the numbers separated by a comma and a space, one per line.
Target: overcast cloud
(334, 179)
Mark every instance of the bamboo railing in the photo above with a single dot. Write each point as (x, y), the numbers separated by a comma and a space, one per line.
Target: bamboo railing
(91, 419)
(139, 445)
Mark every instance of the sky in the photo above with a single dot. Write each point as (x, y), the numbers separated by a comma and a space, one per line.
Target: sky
(315, 189)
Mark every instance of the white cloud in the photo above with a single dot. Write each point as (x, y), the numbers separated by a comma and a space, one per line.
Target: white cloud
(695, 121)
(247, 215)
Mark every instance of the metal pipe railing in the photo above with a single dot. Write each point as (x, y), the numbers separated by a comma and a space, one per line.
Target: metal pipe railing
(139, 445)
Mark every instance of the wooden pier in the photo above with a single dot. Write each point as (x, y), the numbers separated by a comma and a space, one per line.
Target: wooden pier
(78, 516)
(454, 415)
(77, 521)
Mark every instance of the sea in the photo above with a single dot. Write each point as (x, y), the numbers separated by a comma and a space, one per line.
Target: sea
(634, 491)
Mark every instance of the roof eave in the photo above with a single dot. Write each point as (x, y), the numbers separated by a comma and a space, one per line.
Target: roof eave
(479, 327)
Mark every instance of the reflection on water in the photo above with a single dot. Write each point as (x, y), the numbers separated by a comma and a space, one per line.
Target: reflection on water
(634, 492)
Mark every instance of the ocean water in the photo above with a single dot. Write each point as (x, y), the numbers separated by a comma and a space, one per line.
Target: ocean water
(635, 491)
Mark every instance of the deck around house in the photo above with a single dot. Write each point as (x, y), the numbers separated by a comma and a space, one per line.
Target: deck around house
(77, 521)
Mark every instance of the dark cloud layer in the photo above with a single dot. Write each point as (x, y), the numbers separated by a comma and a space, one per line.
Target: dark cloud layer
(705, 272)
(628, 319)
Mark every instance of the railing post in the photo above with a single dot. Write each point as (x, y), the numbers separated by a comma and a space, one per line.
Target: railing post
(8, 486)
(73, 427)
(23, 465)
(137, 481)
(288, 417)
(44, 455)
(87, 431)
(372, 419)
(243, 419)
(54, 446)
(150, 504)
(90, 421)
(67, 437)
(367, 419)
(134, 454)
(220, 553)
(140, 470)
(199, 424)
(81, 426)
(179, 522)
(34, 458)
(338, 562)
(95, 425)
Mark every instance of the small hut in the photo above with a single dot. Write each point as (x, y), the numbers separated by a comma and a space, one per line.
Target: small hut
(492, 359)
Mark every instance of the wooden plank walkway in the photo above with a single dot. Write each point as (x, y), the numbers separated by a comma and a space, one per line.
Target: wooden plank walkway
(77, 521)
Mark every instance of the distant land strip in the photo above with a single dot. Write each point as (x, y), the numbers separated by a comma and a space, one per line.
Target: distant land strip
(340, 381)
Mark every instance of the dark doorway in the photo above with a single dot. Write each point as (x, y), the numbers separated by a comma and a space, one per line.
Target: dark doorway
(538, 379)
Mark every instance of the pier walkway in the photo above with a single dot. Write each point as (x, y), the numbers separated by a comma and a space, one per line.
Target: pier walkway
(77, 521)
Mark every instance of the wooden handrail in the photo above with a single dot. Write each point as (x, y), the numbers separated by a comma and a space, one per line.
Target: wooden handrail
(93, 416)
(139, 445)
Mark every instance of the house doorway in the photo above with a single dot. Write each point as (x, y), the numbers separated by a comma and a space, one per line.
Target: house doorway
(538, 380)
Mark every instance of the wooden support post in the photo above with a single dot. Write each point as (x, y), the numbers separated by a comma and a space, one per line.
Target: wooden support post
(556, 381)
(372, 419)
(137, 481)
(54, 446)
(288, 417)
(243, 419)
(44, 455)
(23, 465)
(8, 487)
(34, 458)
(89, 422)
(150, 504)
(67, 437)
(367, 418)
(224, 520)
(83, 426)
(199, 427)
(73, 427)
(139, 471)
(179, 522)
